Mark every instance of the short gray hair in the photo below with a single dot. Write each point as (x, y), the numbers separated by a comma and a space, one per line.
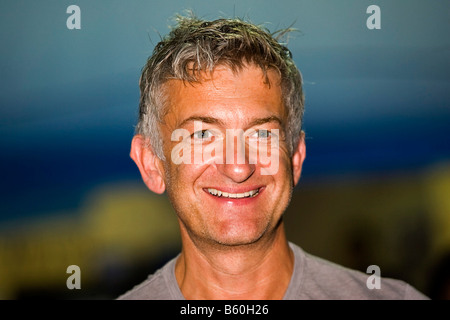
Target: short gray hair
(195, 45)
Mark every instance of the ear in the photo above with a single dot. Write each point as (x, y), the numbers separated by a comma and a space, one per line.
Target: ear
(298, 157)
(149, 164)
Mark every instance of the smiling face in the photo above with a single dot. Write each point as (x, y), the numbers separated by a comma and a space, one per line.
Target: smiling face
(229, 202)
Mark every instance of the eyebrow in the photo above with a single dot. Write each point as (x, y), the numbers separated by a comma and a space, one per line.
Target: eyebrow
(211, 120)
(260, 121)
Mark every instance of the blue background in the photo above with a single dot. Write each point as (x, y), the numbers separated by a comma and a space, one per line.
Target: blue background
(375, 99)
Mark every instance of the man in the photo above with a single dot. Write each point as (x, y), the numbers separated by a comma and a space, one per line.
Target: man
(220, 131)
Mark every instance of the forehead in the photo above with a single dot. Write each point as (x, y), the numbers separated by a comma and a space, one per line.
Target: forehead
(245, 91)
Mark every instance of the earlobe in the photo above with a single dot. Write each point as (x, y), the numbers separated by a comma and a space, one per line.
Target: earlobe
(298, 157)
(148, 164)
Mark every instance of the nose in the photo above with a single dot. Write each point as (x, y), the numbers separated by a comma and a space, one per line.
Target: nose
(237, 172)
(236, 165)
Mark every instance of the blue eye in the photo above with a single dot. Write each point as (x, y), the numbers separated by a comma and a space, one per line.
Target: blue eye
(202, 134)
(264, 134)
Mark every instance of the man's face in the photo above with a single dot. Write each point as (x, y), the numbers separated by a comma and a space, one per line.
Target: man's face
(220, 201)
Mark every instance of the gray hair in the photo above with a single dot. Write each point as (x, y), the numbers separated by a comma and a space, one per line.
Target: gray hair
(196, 46)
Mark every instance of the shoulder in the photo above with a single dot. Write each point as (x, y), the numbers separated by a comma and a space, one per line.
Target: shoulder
(158, 286)
(317, 278)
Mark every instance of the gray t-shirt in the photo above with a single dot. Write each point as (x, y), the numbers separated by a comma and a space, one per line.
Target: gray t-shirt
(313, 278)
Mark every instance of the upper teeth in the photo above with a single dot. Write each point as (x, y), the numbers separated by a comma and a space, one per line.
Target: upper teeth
(219, 193)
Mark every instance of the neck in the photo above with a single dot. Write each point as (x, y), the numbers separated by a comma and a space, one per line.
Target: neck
(260, 270)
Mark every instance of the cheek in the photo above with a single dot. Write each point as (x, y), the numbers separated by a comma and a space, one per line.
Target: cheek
(285, 172)
(182, 177)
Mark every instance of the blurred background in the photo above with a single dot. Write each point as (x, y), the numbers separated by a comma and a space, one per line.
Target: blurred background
(375, 186)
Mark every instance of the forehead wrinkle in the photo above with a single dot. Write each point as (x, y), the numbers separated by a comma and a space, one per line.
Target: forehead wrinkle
(175, 90)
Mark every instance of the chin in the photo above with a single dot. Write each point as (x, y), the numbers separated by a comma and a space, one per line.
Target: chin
(243, 236)
(235, 242)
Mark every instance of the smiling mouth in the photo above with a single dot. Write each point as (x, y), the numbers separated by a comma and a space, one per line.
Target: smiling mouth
(222, 194)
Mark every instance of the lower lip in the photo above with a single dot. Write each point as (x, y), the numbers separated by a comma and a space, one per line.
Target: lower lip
(236, 201)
